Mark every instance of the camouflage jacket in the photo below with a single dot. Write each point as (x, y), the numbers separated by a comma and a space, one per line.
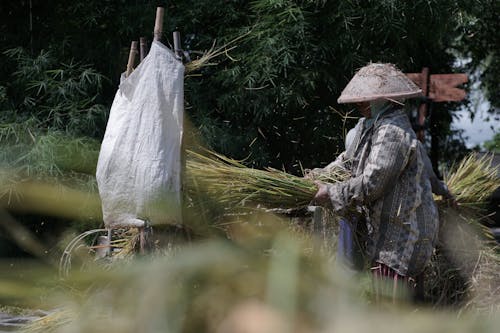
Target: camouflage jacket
(390, 182)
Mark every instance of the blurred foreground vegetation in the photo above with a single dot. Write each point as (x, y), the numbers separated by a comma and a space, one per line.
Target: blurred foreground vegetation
(267, 278)
(241, 271)
(272, 100)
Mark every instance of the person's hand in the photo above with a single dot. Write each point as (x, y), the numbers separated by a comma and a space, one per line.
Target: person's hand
(451, 201)
(321, 197)
(448, 197)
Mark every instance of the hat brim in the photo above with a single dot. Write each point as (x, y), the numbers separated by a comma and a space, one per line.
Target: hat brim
(356, 99)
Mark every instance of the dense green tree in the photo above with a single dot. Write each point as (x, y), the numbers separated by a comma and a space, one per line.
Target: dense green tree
(273, 98)
(275, 102)
(479, 42)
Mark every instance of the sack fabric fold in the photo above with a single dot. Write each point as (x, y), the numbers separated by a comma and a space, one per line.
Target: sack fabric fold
(139, 167)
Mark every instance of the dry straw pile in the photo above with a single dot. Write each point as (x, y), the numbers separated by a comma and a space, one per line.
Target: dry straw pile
(464, 269)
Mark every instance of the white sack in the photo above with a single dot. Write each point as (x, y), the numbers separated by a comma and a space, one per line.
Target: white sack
(138, 172)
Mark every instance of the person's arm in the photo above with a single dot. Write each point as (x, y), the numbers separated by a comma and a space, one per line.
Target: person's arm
(438, 187)
(390, 151)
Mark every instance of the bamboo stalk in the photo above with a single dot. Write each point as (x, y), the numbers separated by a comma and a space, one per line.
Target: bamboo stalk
(131, 58)
(143, 48)
(177, 44)
(158, 31)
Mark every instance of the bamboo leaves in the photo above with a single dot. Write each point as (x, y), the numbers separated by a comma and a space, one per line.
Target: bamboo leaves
(56, 95)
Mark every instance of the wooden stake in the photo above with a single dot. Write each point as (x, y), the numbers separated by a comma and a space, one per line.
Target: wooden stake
(131, 58)
(422, 110)
(142, 241)
(177, 44)
(158, 24)
(143, 47)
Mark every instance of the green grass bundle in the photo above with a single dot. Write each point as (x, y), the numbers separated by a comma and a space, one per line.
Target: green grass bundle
(232, 183)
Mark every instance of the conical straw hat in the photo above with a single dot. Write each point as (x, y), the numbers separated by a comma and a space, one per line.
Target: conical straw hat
(378, 81)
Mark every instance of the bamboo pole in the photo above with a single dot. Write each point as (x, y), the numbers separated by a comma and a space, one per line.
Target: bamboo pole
(158, 31)
(177, 44)
(131, 58)
(143, 47)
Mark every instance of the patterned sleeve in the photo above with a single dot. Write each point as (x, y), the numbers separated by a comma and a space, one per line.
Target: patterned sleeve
(390, 151)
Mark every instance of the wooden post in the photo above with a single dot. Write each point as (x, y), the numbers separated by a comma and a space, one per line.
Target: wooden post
(110, 239)
(142, 241)
(422, 110)
(103, 247)
(434, 153)
(143, 48)
(131, 58)
(177, 44)
(158, 31)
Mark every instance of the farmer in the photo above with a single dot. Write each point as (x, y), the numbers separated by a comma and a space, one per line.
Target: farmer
(349, 252)
(390, 183)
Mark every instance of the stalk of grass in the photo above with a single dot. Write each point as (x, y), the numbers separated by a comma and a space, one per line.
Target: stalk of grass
(208, 56)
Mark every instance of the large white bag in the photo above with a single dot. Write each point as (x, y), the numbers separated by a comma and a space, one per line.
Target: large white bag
(138, 172)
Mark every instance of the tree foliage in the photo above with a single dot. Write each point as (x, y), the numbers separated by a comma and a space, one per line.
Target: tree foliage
(49, 113)
(479, 41)
(276, 102)
(59, 96)
(272, 99)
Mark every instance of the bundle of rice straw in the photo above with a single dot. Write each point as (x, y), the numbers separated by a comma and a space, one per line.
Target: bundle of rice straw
(464, 268)
(473, 181)
(233, 184)
(463, 272)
